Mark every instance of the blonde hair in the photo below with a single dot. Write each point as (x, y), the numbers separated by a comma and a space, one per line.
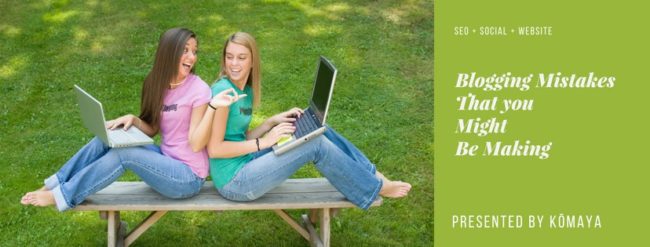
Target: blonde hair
(255, 77)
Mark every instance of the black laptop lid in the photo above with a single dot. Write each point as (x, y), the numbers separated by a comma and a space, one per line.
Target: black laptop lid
(323, 87)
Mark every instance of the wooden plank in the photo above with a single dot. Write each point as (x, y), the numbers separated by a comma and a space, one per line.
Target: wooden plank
(293, 194)
(325, 226)
(313, 215)
(283, 214)
(143, 226)
(314, 240)
(156, 202)
(290, 186)
(121, 234)
(113, 223)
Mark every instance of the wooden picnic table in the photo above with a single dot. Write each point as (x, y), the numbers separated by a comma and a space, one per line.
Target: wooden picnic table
(316, 194)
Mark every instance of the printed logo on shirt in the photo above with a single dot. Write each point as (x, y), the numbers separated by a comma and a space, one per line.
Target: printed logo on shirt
(167, 108)
(245, 111)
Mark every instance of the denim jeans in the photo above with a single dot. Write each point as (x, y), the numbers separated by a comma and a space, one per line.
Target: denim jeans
(96, 166)
(344, 166)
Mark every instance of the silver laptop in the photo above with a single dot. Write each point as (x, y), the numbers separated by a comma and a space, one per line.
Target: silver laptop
(92, 116)
(312, 123)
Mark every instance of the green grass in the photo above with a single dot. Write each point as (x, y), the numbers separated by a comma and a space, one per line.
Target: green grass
(382, 102)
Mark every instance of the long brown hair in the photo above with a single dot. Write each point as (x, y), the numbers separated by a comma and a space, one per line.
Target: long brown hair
(255, 77)
(164, 71)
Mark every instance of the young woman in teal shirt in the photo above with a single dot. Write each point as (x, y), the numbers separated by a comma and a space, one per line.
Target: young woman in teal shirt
(241, 164)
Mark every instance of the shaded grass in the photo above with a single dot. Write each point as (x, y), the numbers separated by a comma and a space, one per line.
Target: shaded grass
(382, 103)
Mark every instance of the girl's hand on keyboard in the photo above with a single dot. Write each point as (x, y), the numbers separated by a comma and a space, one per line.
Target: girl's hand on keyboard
(276, 133)
(126, 121)
(289, 116)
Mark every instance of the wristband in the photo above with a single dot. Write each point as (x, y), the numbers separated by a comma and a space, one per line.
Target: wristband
(210, 105)
(257, 142)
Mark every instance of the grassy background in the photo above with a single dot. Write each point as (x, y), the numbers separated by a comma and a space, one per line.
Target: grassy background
(382, 102)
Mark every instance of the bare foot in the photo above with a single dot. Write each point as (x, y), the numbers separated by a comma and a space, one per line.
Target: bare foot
(38, 198)
(394, 189)
(27, 197)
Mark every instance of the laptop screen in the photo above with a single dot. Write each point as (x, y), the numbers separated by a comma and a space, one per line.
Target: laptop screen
(323, 87)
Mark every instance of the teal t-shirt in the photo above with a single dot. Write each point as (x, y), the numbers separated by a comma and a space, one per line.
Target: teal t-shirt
(239, 117)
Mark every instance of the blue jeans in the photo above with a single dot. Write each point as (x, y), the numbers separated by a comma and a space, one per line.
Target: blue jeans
(96, 166)
(346, 168)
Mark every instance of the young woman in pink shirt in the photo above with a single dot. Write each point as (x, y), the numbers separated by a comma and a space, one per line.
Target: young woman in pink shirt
(175, 103)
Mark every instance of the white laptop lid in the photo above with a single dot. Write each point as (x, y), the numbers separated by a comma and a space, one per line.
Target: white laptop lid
(92, 114)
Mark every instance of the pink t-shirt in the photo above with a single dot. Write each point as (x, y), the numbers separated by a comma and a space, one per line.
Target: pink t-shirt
(175, 123)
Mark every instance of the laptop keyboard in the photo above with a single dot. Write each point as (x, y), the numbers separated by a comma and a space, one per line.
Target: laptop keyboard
(306, 124)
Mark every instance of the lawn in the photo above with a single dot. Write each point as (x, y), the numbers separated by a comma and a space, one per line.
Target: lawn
(382, 102)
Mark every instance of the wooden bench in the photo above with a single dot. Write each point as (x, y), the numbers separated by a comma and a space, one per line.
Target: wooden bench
(316, 194)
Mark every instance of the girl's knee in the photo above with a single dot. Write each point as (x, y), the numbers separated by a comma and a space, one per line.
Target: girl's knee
(324, 145)
(320, 141)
